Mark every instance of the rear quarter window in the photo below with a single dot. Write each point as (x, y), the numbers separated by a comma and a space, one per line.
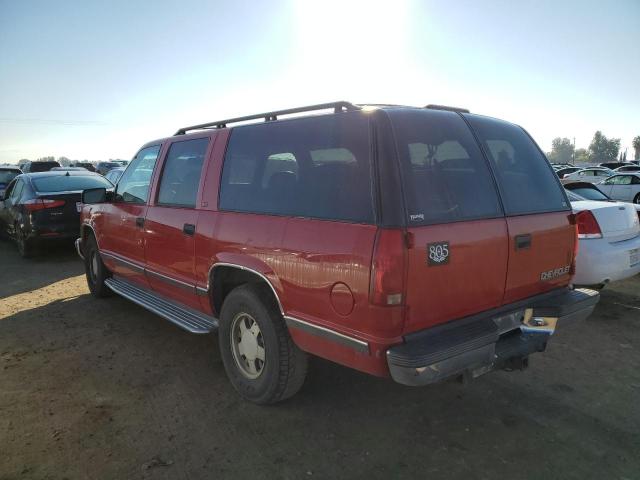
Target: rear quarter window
(526, 181)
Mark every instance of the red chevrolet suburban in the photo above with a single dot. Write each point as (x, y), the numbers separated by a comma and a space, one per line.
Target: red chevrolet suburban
(415, 243)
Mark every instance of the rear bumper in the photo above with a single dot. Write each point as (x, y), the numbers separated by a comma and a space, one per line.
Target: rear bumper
(600, 261)
(481, 343)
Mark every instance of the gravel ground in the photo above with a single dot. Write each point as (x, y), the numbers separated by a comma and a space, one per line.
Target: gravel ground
(102, 389)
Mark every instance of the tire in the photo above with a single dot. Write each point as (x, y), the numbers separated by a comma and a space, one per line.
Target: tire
(636, 199)
(249, 314)
(95, 270)
(25, 247)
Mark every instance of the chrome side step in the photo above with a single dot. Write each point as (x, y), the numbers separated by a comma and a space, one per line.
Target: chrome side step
(181, 315)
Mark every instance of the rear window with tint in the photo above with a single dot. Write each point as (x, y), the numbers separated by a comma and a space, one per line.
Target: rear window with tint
(317, 167)
(445, 176)
(65, 183)
(526, 181)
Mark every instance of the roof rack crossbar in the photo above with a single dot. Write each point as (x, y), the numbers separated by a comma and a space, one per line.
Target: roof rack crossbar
(448, 109)
(271, 116)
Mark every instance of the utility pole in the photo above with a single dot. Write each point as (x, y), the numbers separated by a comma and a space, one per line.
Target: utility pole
(573, 154)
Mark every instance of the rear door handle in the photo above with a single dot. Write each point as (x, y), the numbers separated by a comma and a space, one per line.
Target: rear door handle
(140, 222)
(188, 229)
(523, 241)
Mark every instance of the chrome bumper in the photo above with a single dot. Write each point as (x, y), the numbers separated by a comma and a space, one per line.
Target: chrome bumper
(79, 248)
(479, 344)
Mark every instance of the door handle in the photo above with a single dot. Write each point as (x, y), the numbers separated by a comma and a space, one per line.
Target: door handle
(523, 241)
(188, 229)
(140, 222)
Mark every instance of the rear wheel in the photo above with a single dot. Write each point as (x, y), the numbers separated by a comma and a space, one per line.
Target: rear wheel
(260, 358)
(25, 246)
(95, 270)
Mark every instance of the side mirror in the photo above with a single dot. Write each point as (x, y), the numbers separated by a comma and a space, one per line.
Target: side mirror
(2, 197)
(94, 195)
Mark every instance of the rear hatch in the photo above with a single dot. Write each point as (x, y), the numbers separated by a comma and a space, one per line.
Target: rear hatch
(618, 221)
(486, 216)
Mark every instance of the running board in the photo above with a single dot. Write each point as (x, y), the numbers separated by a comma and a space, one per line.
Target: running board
(182, 316)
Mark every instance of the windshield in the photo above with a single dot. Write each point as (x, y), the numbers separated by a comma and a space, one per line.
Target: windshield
(7, 175)
(64, 183)
(590, 193)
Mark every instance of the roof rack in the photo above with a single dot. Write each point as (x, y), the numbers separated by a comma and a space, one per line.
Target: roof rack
(271, 116)
(448, 109)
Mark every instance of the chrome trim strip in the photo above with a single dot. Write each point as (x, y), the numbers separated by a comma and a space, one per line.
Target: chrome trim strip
(171, 281)
(78, 249)
(241, 267)
(133, 266)
(358, 345)
(201, 291)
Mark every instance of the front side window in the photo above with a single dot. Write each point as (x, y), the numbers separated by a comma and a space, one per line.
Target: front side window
(527, 184)
(445, 177)
(133, 186)
(315, 167)
(181, 173)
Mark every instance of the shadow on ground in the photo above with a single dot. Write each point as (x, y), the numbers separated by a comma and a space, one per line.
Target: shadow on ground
(104, 389)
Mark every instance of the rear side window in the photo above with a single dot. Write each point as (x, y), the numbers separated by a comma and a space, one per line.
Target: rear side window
(181, 173)
(445, 176)
(527, 183)
(63, 183)
(317, 167)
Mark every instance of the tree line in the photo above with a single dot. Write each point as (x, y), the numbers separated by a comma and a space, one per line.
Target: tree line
(601, 149)
(64, 161)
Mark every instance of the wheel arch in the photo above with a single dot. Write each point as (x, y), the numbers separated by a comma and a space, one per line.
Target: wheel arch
(224, 277)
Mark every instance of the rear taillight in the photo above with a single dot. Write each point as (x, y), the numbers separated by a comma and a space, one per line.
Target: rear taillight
(388, 268)
(36, 204)
(587, 225)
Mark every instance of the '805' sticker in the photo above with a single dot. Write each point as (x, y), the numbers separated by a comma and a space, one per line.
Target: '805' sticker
(438, 253)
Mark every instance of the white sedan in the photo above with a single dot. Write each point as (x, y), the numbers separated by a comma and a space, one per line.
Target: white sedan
(609, 241)
(591, 175)
(624, 187)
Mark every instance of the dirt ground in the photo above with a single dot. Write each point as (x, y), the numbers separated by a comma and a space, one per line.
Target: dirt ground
(102, 389)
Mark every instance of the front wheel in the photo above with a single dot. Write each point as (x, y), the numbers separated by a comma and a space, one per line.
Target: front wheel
(636, 199)
(95, 270)
(259, 356)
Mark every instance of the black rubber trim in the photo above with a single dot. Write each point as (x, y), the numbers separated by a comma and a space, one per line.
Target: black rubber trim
(565, 303)
(458, 337)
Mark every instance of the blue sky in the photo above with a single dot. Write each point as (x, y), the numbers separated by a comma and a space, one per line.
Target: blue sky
(95, 80)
